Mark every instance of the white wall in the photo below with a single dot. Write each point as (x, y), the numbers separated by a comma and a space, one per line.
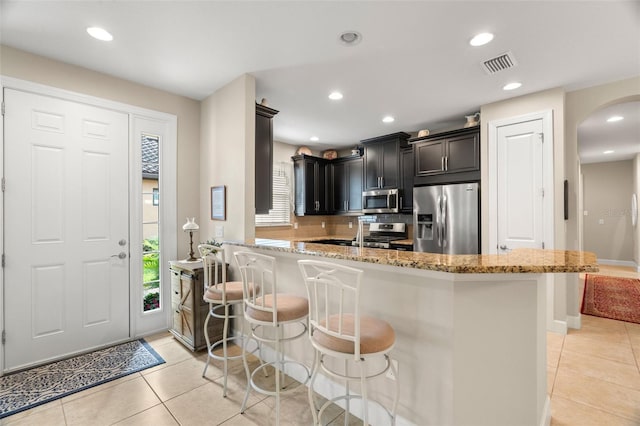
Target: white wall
(227, 157)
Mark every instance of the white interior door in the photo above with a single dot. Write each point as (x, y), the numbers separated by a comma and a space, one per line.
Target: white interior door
(66, 221)
(520, 186)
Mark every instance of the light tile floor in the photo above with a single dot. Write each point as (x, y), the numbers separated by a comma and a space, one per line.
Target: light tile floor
(594, 373)
(593, 379)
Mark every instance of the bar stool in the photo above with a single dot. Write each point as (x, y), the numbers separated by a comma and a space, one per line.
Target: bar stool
(221, 295)
(265, 309)
(337, 329)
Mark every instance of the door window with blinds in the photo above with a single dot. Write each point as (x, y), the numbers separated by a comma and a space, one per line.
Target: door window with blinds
(281, 212)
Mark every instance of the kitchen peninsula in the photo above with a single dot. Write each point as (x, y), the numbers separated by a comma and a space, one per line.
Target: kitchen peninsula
(470, 329)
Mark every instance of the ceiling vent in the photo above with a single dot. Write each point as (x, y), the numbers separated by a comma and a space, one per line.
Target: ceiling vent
(499, 63)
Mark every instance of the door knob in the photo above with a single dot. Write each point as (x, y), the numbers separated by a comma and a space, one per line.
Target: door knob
(121, 255)
(503, 247)
(122, 242)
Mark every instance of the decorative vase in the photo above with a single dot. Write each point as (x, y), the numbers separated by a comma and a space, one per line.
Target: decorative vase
(472, 120)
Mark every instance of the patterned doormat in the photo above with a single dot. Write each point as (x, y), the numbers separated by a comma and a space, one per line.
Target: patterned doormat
(29, 388)
(612, 297)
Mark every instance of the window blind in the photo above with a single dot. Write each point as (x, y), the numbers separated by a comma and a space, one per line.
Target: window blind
(280, 214)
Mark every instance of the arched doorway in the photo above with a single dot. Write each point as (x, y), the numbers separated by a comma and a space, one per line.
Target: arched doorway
(579, 105)
(608, 144)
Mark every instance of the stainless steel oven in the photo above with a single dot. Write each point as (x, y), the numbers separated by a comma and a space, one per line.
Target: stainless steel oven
(381, 201)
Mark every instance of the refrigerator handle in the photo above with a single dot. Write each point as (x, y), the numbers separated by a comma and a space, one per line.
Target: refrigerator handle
(438, 220)
(444, 220)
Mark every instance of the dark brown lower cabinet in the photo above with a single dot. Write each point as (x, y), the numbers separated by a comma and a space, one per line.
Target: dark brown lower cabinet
(189, 309)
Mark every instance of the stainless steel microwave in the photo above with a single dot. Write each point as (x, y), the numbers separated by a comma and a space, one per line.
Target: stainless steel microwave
(381, 201)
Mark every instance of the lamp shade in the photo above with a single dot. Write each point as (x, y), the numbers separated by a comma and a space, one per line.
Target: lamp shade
(191, 225)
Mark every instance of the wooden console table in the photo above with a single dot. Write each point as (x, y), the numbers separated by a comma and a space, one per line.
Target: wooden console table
(189, 309)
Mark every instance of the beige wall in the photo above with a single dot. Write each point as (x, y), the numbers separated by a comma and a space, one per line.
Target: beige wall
(25, 66)
(227, 157)
(537, 102)
(579, 105)
(636, 190)
(607, 193)
(282, 152)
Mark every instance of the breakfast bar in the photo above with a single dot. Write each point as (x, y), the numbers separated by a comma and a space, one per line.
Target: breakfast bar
(470, 329)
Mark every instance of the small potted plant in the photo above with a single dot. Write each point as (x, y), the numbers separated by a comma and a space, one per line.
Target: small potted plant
(151, 301)
(212, 242)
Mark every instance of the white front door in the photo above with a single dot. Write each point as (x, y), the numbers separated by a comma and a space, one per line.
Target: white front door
(520, 186)
(66, 274)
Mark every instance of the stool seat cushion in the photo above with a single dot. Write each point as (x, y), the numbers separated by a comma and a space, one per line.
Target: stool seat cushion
(376, 335)
(233, 289)
(290, 308)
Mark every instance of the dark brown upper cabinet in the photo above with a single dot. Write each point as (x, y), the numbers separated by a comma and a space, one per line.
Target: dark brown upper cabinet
(264, 158)
(346, 184)
(311, 194)
(406, 180)
(382, 160)
(447, 157)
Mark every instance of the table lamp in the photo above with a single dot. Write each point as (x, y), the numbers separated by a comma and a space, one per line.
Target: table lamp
(190, 226)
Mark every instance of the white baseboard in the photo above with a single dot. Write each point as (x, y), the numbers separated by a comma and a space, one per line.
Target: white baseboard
(557, 326)
(546, 416)
(574, 322)
(629, 263)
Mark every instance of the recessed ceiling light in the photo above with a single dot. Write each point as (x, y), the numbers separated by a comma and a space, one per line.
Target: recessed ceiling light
(481, 39)
(388, 119)
(335, 96)
(614, 119)
(99, 33)
(314, 139)
(610, 151)
(512, 86)
(350, 38)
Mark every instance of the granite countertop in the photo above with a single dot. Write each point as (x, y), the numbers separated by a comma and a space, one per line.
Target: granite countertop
(517, 261)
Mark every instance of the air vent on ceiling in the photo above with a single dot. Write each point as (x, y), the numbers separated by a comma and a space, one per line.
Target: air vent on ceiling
(499, 63)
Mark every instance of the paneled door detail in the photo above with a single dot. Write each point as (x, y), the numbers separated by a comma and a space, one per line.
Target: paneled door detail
(520, 186)
(66, 275)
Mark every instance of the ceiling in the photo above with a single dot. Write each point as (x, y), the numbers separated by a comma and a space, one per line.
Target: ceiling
(596, 135)
(414, 61)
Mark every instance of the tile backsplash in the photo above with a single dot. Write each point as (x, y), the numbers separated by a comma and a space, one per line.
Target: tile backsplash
(311, 226)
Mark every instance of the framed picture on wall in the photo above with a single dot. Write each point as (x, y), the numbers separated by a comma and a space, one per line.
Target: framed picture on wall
(219, 202)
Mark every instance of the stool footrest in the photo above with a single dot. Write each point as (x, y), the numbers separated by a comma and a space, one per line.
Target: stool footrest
(283, 390)
(219, 343)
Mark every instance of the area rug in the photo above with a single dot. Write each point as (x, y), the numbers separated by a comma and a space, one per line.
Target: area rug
(29, 388)
(612, 297)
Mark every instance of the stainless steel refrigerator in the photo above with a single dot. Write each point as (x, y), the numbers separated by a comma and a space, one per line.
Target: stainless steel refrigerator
(446, 219)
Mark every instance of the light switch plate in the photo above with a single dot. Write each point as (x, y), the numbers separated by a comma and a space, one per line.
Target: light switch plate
(601, 221)
(219, 231)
